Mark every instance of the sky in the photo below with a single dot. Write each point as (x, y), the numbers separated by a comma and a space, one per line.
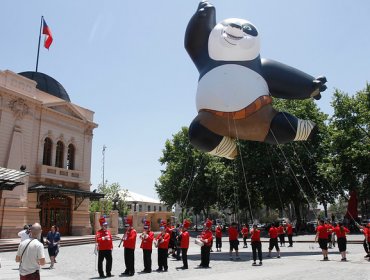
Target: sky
(125, 60)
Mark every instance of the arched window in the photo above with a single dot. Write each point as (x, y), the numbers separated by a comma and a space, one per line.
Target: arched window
(140, 208)
(148, 208)
(59, 154)
(160, 209)
(46, 159)
(71, 157)
(155, 208)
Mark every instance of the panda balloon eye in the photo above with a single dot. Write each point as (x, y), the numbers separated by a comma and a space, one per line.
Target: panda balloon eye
(247, 28)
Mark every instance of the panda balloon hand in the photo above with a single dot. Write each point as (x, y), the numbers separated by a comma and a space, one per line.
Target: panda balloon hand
(203, 5)
(319, 85)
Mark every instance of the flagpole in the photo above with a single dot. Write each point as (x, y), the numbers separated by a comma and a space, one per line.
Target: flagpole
(38, 49)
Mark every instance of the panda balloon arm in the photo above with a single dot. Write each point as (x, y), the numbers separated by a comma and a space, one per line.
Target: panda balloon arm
(197, 33)
(290, 83)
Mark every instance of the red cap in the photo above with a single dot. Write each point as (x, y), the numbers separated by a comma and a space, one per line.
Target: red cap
(163, 223)
(128, 222)
(146, 224)
(186, 223)
(208, 223)
(102, 221)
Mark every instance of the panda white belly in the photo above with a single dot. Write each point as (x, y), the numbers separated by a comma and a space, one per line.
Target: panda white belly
(229, 88)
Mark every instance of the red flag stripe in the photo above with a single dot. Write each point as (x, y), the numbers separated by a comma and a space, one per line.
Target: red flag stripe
(48, 36)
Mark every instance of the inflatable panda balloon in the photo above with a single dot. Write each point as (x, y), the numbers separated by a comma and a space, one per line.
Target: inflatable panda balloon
(235, 87)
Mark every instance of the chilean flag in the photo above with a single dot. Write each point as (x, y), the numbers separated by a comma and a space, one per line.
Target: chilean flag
(47, 32)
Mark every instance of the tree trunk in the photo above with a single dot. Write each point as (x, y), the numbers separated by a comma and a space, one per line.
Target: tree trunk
(297, 211)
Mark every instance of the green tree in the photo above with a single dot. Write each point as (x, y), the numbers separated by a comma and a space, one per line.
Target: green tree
(348, 163)
(190, 178)
(112, 191)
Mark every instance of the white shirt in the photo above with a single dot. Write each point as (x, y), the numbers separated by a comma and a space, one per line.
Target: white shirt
(34, 252)
(23, 235)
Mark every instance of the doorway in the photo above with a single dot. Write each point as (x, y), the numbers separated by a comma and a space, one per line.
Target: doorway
(55, 210)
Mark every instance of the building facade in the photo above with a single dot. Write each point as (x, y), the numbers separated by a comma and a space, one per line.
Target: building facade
(51, 138)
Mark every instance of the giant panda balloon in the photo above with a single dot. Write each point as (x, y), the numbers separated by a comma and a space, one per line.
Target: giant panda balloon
(235, 87)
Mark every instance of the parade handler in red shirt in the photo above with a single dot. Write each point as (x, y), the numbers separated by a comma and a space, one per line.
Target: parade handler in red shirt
(322, 236)
(162, 241)
(340, 231)
(206, 237)
(366, 231)
(273, 233)
(233, 240)
(244, 233)
(104, 245)
(129, 242)
(289, 231)
(256, 244)
(218, 237)
(147, 244)
(184, 243)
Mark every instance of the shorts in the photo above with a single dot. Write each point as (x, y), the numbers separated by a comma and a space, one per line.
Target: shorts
(234, 244)
(53, 251)
(323, 243)
(274, 243)
(342, 244)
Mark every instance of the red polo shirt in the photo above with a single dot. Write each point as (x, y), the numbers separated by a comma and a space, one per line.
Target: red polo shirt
(340, 233)
(130, 239)
(245, 231)
(233, 233)
(273, 232)
(289, 229)
(147, 241)
(255, 235)
(218, 232)
(185, 238)
(323, 232)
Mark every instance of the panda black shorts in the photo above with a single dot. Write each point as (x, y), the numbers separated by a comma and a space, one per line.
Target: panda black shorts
(234, 244)
(342, 244)
(323, 243)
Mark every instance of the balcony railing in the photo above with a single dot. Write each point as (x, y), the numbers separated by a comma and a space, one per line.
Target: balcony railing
(56, 173)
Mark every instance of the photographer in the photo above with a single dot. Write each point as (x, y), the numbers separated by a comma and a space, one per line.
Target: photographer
(25, 233)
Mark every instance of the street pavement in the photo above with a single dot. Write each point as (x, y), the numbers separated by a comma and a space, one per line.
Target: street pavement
(303, 261)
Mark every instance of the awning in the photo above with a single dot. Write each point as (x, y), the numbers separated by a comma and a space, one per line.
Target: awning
(9, 178)
(80, 195)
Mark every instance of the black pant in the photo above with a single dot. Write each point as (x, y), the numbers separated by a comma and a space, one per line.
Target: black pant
(107, 255)
(366, 246)
(282, 239)
(147, 256)
(205, 251)
(245, 241)
(290, 238)
(184, 257)
(257, 246)
(218, 242)
(162, 258)
(129, 260)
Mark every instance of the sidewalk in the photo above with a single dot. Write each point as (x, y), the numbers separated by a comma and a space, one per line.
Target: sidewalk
(302, 262)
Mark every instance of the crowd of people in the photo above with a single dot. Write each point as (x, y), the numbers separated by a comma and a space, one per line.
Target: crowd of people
(174, 241)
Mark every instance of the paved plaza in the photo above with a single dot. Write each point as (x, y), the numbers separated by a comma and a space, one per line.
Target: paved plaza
(303, 261)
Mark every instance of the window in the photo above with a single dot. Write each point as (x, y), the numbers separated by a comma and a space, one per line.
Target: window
(129, 206)
(59, 154)
(148, 208)
(46, 160)
(140, 208)
(160, 208)
(155, 208)
(71, 157)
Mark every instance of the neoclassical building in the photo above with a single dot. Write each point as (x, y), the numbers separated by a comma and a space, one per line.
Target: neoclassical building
(51, 138)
